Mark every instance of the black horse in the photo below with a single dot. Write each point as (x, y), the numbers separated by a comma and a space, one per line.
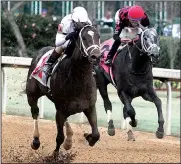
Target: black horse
(132, 70)
(73, 88)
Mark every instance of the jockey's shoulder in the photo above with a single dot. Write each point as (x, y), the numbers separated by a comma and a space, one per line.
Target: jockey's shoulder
(123, 12)
(125, 8)
(67, 17)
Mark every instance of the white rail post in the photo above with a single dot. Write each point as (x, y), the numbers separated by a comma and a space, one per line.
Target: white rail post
(41, 112)
(40, 7)
(168, 110)
(9, 6)
(4, 95)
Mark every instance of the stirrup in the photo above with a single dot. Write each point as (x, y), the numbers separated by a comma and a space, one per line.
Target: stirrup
(108, 62)
(48, 67)
(47, 71)
(93, 72)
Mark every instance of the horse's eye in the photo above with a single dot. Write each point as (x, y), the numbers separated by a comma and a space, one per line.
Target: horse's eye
(145, 38)
(83, 38)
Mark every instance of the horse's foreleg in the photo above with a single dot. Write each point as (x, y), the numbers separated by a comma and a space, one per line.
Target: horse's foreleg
(69, 132)
(152, 97)
(102, 86)
(128, 126)
(92, 118)
(130, 110)
(60, 119)
(32, 100)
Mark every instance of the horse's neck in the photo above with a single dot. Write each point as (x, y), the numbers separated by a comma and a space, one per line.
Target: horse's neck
(140, 63)
(79, 64)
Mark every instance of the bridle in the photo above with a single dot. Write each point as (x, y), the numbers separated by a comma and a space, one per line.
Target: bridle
(144, 49)
(82, 46)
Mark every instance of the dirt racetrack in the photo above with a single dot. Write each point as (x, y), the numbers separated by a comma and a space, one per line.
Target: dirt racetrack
(17, 134)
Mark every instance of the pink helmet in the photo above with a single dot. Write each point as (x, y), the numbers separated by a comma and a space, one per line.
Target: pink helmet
(136, 13)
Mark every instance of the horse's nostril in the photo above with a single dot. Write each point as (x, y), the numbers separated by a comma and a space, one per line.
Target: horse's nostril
(93, 57)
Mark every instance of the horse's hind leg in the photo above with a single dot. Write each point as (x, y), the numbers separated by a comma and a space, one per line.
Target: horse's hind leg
(152, 97)
(102, 86)
(92, 118)
(33, 100)
(69, 132)
(128, 126)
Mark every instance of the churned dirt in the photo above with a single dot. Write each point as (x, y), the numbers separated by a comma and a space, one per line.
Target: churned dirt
(17, 134)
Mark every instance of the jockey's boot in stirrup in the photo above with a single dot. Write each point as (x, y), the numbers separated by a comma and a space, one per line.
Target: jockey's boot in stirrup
(111, 53)
(48, 65)
(108, 60)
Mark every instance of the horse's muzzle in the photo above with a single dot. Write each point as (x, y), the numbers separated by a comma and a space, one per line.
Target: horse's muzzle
(95, 55)
(155, 51)
(92, 58)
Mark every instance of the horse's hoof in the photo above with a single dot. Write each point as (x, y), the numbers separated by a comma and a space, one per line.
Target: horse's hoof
(35, 144)
(133, 123)
(55, 154)
(90, 139)
(159, 134)
(131, 139)
(111, 132)
(67, 145)
(111, 129)
(131, 136)
(86, 134)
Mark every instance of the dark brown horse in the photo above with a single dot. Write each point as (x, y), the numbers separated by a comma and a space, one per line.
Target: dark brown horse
(73, 88)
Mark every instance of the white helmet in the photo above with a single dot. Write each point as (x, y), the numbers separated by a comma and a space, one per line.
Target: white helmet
(79, 14)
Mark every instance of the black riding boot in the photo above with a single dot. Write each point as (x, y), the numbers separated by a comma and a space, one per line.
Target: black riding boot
(111, 53)
(48, 65)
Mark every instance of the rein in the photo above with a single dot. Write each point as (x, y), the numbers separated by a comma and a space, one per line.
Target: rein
(142, 52)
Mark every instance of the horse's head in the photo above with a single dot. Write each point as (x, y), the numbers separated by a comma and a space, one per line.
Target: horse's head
(90, 42)
(150, 42)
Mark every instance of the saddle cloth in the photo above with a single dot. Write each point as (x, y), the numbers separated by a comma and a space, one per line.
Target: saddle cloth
(39, 73)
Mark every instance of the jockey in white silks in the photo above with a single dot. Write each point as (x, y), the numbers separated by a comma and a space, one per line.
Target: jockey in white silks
(67, 30)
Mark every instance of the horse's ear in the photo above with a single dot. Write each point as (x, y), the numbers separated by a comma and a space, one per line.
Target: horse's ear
(79, 25)
(141, 26)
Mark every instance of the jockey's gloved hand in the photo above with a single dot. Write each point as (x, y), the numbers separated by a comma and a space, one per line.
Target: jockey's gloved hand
(71, 35)
(116, 37)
